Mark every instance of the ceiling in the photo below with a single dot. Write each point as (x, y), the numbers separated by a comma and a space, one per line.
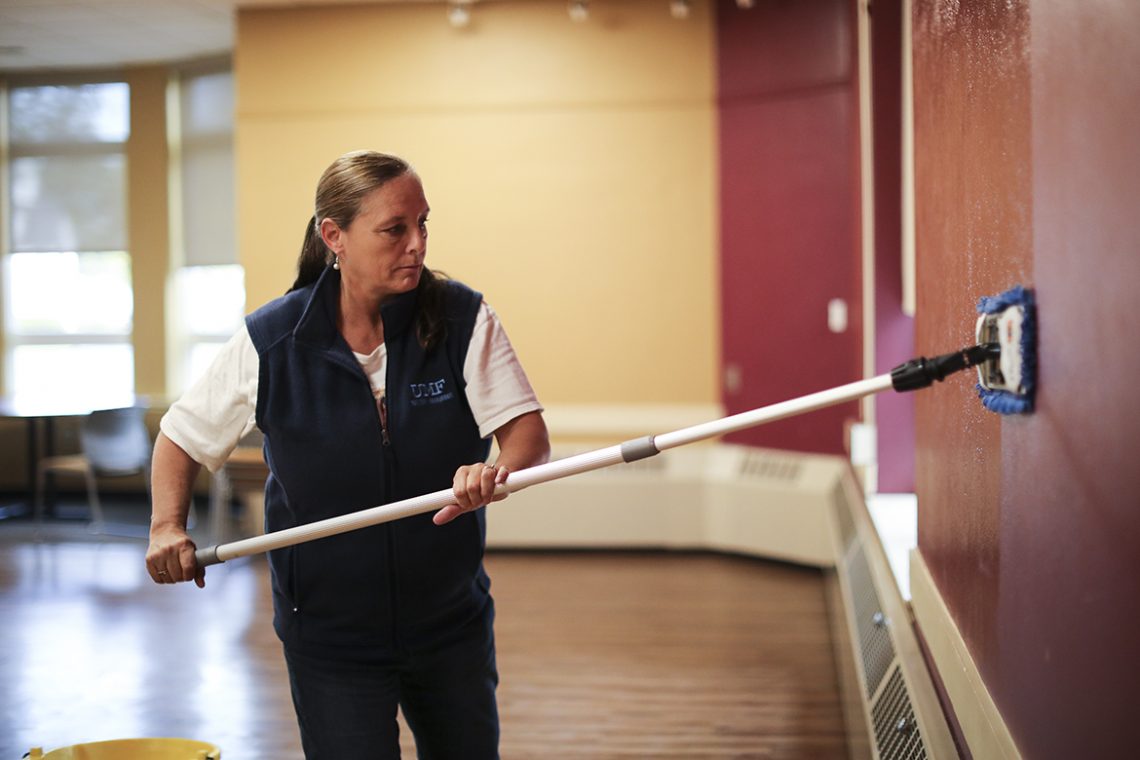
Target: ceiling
(94, 34)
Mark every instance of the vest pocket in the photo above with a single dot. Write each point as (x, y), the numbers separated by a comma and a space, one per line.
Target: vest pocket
(341, 590)
(282, 568)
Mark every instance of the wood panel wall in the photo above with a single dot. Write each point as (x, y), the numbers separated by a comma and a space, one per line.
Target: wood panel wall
(1027, 172)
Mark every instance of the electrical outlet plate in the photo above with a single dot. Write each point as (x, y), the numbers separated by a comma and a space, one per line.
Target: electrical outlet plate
(1004, 372)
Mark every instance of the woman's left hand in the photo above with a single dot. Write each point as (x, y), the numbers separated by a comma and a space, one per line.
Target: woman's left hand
(474, 486)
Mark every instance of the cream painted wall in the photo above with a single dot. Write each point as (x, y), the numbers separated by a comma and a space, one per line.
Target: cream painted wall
(148, 227)
(570, 168)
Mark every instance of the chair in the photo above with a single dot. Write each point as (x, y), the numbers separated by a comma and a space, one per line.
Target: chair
(113, 443)
(243, 475)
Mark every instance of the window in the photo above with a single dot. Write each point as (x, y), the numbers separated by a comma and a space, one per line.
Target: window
(207, 295)
(67, 274)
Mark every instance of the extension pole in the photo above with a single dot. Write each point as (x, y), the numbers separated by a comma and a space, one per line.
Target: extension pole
(630, 451)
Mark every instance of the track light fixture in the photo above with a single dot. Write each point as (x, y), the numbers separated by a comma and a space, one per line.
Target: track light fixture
(459, 14)
(579, 10)
(745, 4)
(679, 9)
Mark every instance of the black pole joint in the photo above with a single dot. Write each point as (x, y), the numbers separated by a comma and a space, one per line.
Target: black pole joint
(923, 372)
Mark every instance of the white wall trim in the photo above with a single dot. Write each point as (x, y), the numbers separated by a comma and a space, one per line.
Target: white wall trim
(982, 726)
(909, 297)
(866, 199)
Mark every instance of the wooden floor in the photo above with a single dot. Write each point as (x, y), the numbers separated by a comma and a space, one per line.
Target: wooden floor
(601, 655)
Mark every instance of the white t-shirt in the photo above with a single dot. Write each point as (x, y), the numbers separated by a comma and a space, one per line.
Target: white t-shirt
(219, 409)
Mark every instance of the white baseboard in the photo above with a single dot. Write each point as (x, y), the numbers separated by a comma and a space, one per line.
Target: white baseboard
(982, 726)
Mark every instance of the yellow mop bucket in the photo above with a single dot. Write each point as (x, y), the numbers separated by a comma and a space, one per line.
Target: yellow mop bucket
(132, 749)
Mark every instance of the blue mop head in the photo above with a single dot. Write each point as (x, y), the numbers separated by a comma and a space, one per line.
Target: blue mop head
(1007, 384)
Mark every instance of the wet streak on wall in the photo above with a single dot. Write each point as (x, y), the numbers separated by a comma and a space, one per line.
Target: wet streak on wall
(1027, 172)
(972, 237)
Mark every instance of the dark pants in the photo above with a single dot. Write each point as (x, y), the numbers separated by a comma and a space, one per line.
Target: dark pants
(347, 708)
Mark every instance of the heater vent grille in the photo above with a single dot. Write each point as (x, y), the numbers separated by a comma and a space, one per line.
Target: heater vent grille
(896, 730)
(762, 466)
(871, 623)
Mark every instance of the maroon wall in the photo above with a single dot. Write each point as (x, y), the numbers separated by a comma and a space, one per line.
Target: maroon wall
(1027, 172)
(788, 127)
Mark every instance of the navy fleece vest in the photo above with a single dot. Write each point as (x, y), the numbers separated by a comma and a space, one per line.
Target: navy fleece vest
(396, 587)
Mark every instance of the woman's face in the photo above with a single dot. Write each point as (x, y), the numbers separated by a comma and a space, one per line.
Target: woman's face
(382, 251)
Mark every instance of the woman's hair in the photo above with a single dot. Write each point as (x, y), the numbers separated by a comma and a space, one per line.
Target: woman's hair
(340, 192)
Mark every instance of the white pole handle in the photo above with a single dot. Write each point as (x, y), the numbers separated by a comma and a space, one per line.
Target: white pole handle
(516, 481)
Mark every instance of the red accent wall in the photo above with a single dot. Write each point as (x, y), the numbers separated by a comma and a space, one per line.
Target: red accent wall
(1027, 172)
(789, 211)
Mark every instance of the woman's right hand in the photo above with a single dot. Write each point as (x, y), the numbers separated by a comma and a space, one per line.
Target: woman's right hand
(170, 556)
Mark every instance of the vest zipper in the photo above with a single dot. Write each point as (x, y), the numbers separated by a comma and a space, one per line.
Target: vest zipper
(393, 595)
(384, 421)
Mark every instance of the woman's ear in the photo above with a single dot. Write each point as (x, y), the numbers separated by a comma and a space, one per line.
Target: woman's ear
(332, 235)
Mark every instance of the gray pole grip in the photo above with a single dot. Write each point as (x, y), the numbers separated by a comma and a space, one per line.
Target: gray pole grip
(639, 448)
(207, 556)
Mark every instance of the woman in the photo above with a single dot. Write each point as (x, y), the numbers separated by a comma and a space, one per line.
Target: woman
(373, 380)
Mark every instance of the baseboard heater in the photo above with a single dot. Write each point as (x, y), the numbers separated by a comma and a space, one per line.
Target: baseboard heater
(891, 708)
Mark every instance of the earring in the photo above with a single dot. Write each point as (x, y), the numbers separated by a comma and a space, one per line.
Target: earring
(336, 262)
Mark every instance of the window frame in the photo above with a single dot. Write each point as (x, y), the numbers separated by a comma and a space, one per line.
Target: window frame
(180, 341)
(9, 340)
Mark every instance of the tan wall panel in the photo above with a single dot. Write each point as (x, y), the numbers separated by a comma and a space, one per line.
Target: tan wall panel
(148, 225)
(583, 205)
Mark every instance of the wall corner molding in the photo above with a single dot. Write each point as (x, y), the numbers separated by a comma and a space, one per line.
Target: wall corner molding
(982, 725)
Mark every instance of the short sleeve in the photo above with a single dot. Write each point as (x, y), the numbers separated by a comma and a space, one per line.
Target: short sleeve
(497, 387)
(219, 409)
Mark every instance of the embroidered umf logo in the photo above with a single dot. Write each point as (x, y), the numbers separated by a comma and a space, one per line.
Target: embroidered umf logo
(431, 392)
